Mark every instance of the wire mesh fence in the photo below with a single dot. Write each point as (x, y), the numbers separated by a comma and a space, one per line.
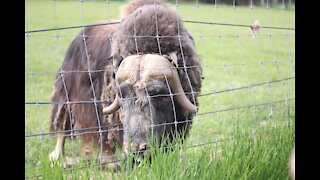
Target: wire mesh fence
(248, 74)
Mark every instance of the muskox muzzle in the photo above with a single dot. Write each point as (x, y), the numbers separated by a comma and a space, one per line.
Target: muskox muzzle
(151, 97)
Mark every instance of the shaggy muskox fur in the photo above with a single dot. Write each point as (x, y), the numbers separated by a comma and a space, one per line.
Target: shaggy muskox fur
(157, 29)
(89, 51)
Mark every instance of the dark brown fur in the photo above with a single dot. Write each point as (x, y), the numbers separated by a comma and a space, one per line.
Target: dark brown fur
(78, 85)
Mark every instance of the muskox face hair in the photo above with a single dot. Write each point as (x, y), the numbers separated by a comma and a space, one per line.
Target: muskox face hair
(152, 100)
(146, 109)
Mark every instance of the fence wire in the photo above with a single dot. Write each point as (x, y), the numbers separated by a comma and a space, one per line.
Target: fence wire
(140, 127)
(187, 21)
(269, 105)
(180, 147)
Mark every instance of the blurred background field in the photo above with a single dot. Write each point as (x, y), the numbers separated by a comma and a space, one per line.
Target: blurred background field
(245, 125)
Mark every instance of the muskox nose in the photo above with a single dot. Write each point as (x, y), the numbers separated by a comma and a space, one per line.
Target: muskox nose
(143, 147)
(139, 148)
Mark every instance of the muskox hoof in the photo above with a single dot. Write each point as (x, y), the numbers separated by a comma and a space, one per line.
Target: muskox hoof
(69, 162)
(54, 156)
(115, 166)
(87, 151)
(110, 163)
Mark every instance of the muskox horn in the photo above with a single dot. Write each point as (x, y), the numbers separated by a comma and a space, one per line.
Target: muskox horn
(127, 72)
(158, 67)
(154, 67)
(112, 107)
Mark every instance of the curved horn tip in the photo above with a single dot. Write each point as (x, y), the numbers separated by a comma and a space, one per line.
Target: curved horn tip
(112, 107)
(107, 110)
(193, 109)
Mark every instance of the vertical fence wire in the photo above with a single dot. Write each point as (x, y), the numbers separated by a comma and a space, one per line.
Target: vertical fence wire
(31, 70)
(65, 89)
(91, 81)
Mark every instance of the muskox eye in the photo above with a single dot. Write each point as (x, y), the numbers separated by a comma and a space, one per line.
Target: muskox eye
(166, 98)
(126, 90)
(155, 88)
(162, 97)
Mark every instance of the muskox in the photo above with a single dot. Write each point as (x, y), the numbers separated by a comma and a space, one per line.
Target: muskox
(120, 83)
(158, 76)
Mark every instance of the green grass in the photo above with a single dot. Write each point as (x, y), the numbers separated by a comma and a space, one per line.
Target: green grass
(255, 141)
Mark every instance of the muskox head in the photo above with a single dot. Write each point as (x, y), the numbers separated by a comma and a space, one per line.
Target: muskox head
(150, 95)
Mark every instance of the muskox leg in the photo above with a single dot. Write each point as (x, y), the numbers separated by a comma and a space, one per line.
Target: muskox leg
(59, 150)
(110, 158)
(114, 142)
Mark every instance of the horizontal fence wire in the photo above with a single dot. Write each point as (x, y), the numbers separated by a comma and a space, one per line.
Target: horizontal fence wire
(214, 3)
(187, 21)
(238, 25)
(166, 95)
(186, 121)
(253, 133)
(187, 67)
(211, 118)
(71, 27)
(163, 124)
(284, 34)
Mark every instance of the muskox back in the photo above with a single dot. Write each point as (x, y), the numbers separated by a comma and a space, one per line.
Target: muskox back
(90, 51)
(159, 29)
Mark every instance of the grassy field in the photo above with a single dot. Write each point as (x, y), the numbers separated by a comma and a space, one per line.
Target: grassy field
(245, 130)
